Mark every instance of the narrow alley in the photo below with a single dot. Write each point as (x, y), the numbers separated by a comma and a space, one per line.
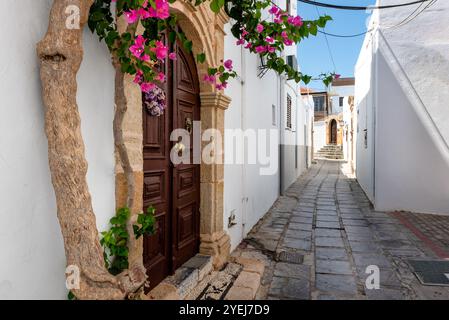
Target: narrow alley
(318, 240)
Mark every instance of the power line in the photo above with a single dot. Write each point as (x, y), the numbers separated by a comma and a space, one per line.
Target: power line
(344, 35)
(327, 44)
(364, 8)
(400, 24)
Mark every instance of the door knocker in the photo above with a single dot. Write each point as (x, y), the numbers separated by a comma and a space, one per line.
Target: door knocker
(189, 125)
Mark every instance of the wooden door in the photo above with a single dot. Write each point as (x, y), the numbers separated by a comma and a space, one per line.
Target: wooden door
(333, 131)
(172, 189)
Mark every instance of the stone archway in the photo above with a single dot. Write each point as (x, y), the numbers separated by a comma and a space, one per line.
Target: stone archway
(206, 30)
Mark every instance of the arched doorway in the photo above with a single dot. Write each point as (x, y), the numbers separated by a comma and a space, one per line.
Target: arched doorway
(173, 189)
(333, 132)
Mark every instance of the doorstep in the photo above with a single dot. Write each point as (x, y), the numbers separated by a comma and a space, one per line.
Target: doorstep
(196, 280)
(185, 279)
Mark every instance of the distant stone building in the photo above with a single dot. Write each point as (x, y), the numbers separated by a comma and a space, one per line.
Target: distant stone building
(332, 119)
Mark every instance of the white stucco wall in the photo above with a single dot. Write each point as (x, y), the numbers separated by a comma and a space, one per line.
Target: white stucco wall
(411, 175)
(248, 194)
(401, 95)
(319, 135)
(33, 260)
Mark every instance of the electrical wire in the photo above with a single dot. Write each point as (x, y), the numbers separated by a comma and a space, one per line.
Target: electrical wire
(407, 20)
(364, 8)
(327, 44)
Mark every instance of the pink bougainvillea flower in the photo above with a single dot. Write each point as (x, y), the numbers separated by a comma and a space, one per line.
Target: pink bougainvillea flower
(261, 49)
(244, 33)
(295, 21)
(269, 40)
(160, 50)
(288, 42)
(162, 10)
(137, 49)
(147, 86)
(160, 77)
(249, 45)
(210, 78)
(277, 20)
(139, 77)
(132, 16)
(260, 28)
(228, 64)
(271, 49)
(274, 10)
(240, 42)
(337, 76)
(172, 56)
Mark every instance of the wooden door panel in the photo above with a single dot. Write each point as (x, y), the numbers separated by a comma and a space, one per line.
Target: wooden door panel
(186, 177)
(172, 189)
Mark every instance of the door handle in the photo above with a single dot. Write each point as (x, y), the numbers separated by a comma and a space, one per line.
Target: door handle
(179, 147)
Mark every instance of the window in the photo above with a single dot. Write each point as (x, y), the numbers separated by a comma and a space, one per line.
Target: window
(289, 112)
(341, 100)
(319, 103)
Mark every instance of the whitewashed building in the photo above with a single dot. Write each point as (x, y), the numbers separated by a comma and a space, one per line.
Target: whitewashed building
(342, 98)
(262, 101)
(401, 96)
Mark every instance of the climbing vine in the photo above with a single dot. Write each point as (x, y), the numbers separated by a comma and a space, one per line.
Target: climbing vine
(140, 55)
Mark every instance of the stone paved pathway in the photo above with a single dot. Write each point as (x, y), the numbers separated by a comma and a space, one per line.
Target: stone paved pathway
(318, 240)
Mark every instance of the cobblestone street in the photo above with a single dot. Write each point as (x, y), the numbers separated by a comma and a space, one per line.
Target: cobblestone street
(319, 238)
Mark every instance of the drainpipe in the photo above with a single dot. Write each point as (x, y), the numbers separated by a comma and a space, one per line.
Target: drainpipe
(243, 125)
(281, 134)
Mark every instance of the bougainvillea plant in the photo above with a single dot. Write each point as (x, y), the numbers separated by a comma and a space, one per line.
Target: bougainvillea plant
(141, 54)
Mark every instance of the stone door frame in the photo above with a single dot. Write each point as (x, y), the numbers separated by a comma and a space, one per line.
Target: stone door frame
(206, 30)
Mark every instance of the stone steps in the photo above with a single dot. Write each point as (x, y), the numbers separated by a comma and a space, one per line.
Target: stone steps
(333, 152)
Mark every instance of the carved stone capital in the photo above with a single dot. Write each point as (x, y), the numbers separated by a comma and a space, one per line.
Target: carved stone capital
(215, 100)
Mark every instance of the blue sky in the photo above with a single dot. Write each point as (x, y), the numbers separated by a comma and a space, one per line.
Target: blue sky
(313, 54)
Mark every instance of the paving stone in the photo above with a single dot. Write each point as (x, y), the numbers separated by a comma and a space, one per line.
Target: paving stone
(360, 237)
(303, 214)
(290, 288)
(328, 224)
(326, 208)
(323, 253)
(364, 246)
(292, 270)
(384, 294)
(358, 230)
(299, 244)
(324, 232)
(333, 267)
(301, 220)
(300, 226)
(327, 218)
(298, 234)
(355, 222)
(336, 283)
(329, 242)
(352, 216)
(366, 259)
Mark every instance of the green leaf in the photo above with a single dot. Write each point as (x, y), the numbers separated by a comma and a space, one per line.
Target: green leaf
(216, 5)
(201, 58)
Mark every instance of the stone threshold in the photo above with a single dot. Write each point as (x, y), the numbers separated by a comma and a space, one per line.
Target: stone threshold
(196, 280)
